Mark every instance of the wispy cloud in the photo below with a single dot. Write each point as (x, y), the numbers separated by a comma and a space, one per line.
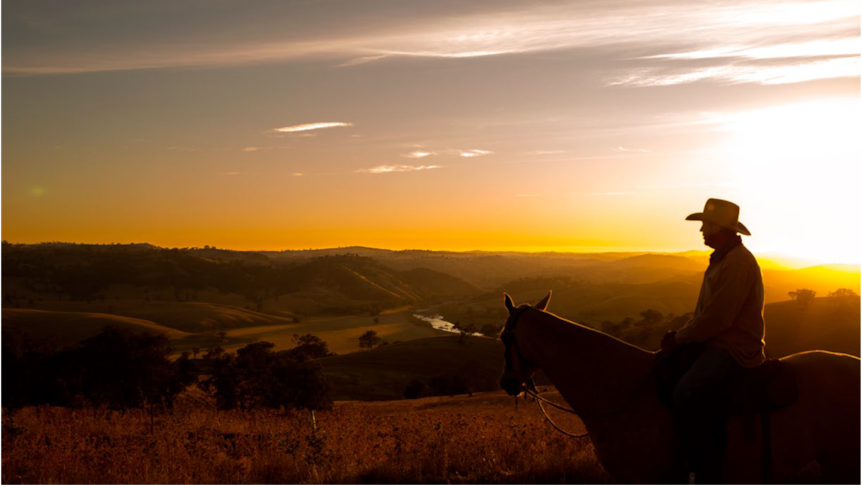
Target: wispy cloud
(320, 125)
(636, 150)
(736, 73)
(805, 40)
(397, 168)
(419, 154)
(474, 153)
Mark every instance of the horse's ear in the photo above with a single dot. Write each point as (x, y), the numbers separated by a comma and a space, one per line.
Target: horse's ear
(509, 305)
(544, 303)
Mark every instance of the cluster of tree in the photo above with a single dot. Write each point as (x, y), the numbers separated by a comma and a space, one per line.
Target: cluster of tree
(466, 379)
(844, 293)
(646, 331)
(120, 369)
(369, 340)
(804, 296)
(259, 377)
(117, 369)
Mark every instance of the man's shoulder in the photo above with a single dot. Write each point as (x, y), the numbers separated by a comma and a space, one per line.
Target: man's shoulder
(740, 255)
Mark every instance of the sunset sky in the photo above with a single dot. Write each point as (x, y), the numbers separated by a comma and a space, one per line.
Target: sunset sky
(583, 125)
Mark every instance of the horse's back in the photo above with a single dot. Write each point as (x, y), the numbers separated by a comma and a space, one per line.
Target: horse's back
(828, 409)
(821, 425)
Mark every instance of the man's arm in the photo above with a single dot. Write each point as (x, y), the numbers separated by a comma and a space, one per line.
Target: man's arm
(733, 287)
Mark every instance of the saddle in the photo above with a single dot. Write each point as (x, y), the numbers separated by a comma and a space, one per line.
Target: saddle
(750, 392)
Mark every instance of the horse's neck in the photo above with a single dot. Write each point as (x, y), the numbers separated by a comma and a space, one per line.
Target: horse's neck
(593, 371)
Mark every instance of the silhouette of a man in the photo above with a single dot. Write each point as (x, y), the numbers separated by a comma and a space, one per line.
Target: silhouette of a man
(728, 324)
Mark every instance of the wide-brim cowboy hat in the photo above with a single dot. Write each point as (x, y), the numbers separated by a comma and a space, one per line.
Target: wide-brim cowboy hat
(721, 212)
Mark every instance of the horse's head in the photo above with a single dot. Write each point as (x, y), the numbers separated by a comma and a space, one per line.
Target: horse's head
(519, 371)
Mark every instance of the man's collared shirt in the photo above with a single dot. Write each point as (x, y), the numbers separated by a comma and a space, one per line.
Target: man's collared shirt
(729, 312)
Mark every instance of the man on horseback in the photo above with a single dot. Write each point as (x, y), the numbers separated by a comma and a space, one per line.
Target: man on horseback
(728, 326)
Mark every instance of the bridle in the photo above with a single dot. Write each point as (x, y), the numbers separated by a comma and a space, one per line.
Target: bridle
(508, 338)
(529, 387)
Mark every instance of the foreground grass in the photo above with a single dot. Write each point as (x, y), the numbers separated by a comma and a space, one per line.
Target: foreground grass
(462, 439)
(480, 439)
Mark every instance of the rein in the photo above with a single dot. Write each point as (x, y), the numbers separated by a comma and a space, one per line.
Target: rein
(530, 390)
(539, 400)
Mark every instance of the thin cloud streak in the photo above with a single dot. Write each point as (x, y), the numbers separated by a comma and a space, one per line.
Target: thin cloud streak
(744, 73)
(312, 126)
(474, 153)
(397, 168)
(419, 154)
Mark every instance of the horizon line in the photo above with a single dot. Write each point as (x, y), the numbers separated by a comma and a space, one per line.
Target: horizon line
(771, 255)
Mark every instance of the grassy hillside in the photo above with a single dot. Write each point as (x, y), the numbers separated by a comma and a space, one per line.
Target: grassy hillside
(822, 279)
(383, 373)
(337, 293)
(66, 328)
(824, 324)
(185, 316)
(341, 333)
(340, 284)
(589, 304)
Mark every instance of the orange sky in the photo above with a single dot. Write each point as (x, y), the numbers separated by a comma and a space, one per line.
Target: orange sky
(432, 125)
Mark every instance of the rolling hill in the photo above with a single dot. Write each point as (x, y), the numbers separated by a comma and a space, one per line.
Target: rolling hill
(330, 284)
(188, 317)
(66, 328)
(825, 324)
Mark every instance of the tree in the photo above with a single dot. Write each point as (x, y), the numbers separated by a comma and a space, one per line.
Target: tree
(125, 370)
(626, 323)
(803, 295)
(117, 368)
(368, 340)
(309, 346)
(843, 293)
(259, 377)
(463, 330)
(651, 316)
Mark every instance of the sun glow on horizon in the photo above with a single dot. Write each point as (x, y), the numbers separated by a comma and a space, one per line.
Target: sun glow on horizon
(797, 170)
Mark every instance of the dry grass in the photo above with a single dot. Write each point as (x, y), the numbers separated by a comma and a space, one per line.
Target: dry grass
(461, 439)
(482, 439)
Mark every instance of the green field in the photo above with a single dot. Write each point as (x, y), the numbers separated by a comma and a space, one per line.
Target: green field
(341, 333)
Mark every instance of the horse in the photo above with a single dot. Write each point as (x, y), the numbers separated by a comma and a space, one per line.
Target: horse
(611, 386)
